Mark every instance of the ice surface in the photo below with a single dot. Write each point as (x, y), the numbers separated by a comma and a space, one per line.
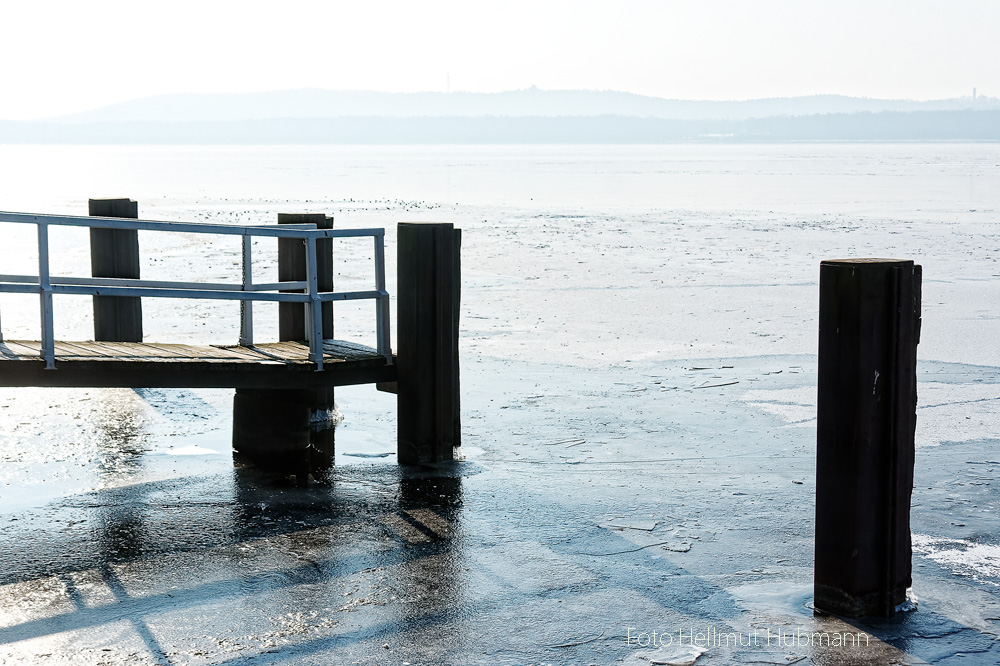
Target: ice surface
(683, 655)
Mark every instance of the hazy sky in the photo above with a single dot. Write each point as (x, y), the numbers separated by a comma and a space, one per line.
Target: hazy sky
(59, 57)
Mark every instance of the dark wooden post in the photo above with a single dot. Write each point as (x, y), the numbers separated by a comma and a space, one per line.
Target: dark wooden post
(869, 326)
(292, 429)
(292, 267)
(292, 320)
(115, 253)
(428, 295)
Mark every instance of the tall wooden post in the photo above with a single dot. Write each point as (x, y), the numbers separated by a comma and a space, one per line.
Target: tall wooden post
(115, 253)
(292, 324)
(292, 268)
(292, 428)
(428, 296)
(869, 326)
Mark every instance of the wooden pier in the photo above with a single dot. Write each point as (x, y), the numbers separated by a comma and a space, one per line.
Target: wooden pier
(283, 388)
(148, 365)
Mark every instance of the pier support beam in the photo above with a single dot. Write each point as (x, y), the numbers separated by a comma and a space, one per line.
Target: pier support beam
(292, 429)
(428, 297)
(869, 326)
(115, 253)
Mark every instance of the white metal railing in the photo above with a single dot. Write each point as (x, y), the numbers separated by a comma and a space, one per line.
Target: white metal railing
(45, 284)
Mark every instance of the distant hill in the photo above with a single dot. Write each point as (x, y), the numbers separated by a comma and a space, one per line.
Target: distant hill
(864, 126)
(532, 102)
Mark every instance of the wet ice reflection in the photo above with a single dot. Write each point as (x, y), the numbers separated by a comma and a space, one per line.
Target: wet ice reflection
(58, 442)
(230, 566)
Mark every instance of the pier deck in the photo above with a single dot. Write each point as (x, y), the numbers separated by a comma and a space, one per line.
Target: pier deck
(147, 365)
(280, 386)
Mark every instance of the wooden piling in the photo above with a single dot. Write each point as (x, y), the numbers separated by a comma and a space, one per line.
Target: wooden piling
(428, 298)
(271, 425)
(270, 420)
(292, 316)
(869, 326)
(115, 253)
(292, 268)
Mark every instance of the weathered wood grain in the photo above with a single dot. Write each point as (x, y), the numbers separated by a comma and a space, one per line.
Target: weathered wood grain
(140, 364)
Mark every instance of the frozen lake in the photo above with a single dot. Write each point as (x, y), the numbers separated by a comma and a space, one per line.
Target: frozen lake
(895, 180)
(588, 257)
(593, 240)
(639, 328)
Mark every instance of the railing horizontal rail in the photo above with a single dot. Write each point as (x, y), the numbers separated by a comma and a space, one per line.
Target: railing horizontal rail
(45, 285)
(210, 294)
(353, 295)
(155, 284)
(283, 231)
(181, 293)
(20, 288)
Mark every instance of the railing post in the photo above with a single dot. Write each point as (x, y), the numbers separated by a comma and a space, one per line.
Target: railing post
(382, 303)
(428, 296)
(45, 297)
(314, 310)
(115, 253)
(869, 326)
(246, 306)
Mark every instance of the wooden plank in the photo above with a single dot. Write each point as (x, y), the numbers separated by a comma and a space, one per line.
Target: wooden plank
(206, 352)
(291, 350)
(261, 355)
(77, 350)
(203, 353)
(253, 354)
(119, 350)
(7, 353)
(31, 347)
(269, 355)
(63, 350)
(236, 351)
(143, 351)
(348, 350)
(241, 352)
(82, 350)
(101, 348)
(266, 351)
(166, 350)
(181, 352)
(287, 354)
(344, 344)
(22, 348)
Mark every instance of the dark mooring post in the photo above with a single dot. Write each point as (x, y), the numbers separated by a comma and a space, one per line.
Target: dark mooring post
(292, 325)
(291, 429)
(292, 267)
(115, 253)
(869, 326)
(428, 295)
